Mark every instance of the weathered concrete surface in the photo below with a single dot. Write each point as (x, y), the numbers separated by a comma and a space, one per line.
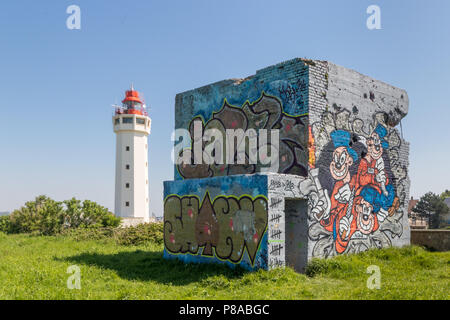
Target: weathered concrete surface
(438, 240)
(345, 101)
(348, 88)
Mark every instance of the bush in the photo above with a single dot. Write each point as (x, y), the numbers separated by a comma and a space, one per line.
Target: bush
(82, 234)
(142, 233)
(40, 216)
(85, 220)
(88, 214)
(129, 236)
(48, 217)
(5, 224)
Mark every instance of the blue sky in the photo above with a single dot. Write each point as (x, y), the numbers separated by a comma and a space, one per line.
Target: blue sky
(57, 85)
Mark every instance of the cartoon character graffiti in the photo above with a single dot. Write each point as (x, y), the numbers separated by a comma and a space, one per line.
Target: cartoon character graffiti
(372, 171)
(339, 220)
(367, 205)
(360, 200)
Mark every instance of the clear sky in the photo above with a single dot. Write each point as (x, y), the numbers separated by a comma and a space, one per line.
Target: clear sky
(57, 85)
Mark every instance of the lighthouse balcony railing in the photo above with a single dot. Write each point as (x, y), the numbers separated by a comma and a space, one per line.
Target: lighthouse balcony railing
(120, 111)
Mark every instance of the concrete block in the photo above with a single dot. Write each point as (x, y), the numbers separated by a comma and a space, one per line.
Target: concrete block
(341, 186)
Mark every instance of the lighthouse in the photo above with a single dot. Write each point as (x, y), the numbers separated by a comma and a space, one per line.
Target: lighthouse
(132, 126)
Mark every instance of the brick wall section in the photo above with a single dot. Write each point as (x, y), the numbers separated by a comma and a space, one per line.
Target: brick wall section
(185, 102)
(318, 87)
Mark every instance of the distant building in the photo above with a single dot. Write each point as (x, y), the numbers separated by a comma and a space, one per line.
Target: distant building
(152, 218)
(416, 221)
(4, 213)
(412, 204)
(446, 218)
(447, 201)
(155, 219)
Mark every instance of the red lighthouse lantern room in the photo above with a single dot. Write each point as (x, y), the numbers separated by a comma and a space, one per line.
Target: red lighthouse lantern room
(132, 104)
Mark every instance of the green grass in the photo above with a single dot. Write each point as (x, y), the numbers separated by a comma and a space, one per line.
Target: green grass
(35, 268)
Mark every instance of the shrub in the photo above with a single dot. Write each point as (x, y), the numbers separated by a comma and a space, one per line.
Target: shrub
(85, 220)
(82, 234)
(88, 214)
(49, 217)
(129, 236)
(43, 216)
(142, 233)
(5, 224)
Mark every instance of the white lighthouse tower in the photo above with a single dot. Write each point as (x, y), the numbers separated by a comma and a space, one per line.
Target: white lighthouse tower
(132, 127)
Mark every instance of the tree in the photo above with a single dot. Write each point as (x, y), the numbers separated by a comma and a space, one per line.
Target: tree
(432, 206)
(41, 216)
(87, 214)
(445, 194)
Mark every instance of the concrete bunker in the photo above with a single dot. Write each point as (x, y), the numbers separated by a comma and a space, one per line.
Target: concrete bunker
(341, 185)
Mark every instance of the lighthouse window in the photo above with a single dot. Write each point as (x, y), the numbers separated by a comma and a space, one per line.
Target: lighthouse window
(127, 148)
(127, 185)
(140, 121)
(127, 120)
(127, 204)
(127, 167)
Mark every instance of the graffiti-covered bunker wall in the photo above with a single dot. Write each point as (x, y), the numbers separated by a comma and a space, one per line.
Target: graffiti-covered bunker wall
(340, 183)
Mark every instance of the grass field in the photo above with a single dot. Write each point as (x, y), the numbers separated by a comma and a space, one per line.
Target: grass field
(36, 268)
